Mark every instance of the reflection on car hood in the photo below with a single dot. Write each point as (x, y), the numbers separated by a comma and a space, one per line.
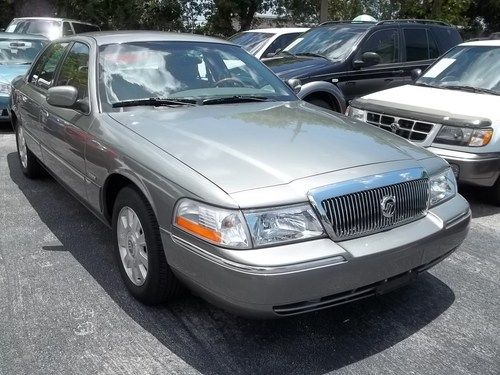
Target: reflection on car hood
(287, 67)
(9, 72)
(253, 145)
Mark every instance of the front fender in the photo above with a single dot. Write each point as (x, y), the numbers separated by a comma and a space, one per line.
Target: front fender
(323, 87)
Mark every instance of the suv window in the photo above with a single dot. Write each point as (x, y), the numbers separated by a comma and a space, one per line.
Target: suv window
(279, 43)
(43, 72)
(67, 30)
(417, 47)
(385, 43)
(433, 48)
(84, 28)
(74, 70)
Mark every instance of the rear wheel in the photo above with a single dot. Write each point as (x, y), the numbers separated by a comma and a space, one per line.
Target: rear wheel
(139, 250)
(29, 163)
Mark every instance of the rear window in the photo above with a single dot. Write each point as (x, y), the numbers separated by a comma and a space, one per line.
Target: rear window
(420, 45)
(84, 28)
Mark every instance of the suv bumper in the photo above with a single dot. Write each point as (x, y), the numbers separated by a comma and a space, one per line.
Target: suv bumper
(369, 265)
(471, 168)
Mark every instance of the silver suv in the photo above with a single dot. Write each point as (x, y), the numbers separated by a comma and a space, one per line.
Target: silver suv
(51, 28)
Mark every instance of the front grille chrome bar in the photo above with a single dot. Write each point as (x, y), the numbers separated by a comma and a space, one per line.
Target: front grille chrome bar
(372, 204)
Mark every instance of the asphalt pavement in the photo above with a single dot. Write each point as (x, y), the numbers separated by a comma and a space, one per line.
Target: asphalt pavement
(64, 309)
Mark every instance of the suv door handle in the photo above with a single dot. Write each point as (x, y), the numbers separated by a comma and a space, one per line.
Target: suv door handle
(398, 71)
(45, 114)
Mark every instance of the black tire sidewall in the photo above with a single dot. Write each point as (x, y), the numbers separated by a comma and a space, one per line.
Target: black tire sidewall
(146, 292)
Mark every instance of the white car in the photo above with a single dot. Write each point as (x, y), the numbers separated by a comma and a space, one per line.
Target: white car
(264, 43)
(453, 109)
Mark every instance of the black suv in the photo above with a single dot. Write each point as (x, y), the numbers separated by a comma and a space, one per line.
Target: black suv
(338, 61)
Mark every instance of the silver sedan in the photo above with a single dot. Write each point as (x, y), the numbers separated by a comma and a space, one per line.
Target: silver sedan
(213, 175)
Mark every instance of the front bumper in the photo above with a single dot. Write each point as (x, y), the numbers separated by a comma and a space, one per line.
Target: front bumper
(471, 168)
(365, 266)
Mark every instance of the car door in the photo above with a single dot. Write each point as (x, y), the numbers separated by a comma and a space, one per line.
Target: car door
(364, 80)
(33, 93)
(65, 129)
(420, 50)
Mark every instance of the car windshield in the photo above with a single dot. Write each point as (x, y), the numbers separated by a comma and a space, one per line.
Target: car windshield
(178, 71)
(333, 42)
(19, 51)
(251, 41)
(468, 68)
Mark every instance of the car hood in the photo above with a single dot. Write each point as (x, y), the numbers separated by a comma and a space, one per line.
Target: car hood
(9, 72)
(439, 102)
(287, 67)
(253, 145)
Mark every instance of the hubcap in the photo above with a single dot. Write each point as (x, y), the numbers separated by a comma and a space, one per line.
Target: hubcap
(21, 144)
(132, 246)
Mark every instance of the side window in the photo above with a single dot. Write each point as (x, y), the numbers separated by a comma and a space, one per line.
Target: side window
(67, 30)
(45, 67)
(385, 43)
(433, 48)
(84, 28)
(279, 43)
(417, 47)
(74, 70)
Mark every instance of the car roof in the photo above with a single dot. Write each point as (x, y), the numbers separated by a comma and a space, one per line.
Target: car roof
(52, 19)
(127, 36)
(4, 35)
(279, 30)
(484, 43)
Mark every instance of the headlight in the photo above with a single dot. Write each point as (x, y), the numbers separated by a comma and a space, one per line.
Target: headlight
(442, 187)
(216, 225)
(5, 88)
(356, 113)
(283, 224)
(461, 136)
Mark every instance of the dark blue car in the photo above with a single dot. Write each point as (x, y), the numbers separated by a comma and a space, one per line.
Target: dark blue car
(17, 51)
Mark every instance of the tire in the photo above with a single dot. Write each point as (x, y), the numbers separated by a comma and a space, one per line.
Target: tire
(321, 103)
(29, 163)
(156, 283)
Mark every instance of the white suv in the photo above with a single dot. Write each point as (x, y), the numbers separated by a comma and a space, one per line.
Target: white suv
(453, 109)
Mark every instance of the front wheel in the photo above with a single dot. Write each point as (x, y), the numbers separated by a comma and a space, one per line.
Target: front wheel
(29, 163)
(139, 250)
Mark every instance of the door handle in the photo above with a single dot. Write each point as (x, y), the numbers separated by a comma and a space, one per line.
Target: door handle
(398, 71)
(45, 115)
(388, 79)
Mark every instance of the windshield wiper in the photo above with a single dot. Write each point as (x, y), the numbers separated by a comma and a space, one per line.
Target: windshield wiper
(471, 89)
(283, 52)
(424, 84)
(237, 99)
(312, 54)
(154, 102)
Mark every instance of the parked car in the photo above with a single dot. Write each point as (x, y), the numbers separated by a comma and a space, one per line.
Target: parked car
(17, 51)
(49, 27)
(256, 200)
(339, 61)
(265, 43)
(452, 109)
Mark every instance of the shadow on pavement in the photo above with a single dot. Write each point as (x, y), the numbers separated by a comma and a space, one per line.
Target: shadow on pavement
(5, 127)
(479, 200)
(215, 342)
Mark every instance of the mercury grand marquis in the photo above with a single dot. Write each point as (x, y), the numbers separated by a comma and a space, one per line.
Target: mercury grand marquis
(212, 174)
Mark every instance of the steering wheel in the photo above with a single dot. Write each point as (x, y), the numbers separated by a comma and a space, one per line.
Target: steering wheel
(229, 82)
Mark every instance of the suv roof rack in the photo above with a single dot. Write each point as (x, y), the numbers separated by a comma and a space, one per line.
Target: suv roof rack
(346, 21)
(415, 20)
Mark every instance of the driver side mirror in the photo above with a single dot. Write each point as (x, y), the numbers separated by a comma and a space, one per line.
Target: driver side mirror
(415, 74)
(367, 59)
(62, 96)
(295, 84)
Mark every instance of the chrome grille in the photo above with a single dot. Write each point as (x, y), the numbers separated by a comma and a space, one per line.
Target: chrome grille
(413, 130)
(360, 213)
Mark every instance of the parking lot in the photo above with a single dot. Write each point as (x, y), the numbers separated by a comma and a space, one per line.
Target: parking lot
(64, 309)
